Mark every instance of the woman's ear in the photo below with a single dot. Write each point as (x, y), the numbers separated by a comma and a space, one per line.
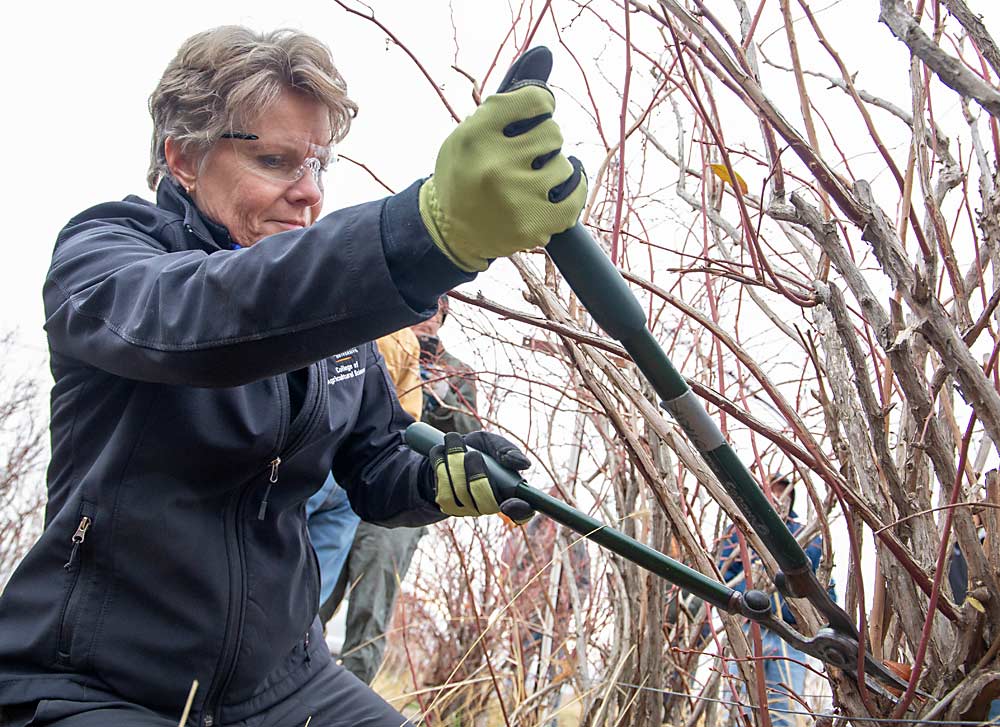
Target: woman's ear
(183, 166)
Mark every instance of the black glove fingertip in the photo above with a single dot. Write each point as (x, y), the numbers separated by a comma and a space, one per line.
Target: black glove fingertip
(480, 440)
(475, 465)
(513, 459)
(540, 161)
(453, 441)
(534, 64)
(505, 452)
(523, 126)
(517, 510)
(564, 189)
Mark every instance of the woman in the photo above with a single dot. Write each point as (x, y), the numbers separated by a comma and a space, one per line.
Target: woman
(210, 368)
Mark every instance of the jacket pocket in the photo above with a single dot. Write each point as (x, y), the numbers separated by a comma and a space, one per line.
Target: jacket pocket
(75, 567)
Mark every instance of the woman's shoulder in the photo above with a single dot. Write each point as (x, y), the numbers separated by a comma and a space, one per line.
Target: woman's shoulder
(132, 210)
(131, 216)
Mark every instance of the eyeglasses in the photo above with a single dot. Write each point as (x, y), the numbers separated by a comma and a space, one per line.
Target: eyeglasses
(282, 160)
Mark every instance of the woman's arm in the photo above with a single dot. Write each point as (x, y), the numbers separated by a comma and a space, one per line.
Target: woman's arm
(117, 300)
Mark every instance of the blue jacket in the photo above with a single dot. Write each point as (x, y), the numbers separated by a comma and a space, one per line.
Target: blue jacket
(732, 568)
(183, 450)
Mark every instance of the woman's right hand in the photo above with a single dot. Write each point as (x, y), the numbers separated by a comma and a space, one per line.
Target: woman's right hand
(501, 183)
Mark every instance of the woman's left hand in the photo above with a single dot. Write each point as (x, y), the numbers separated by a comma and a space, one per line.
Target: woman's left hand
(463, 486)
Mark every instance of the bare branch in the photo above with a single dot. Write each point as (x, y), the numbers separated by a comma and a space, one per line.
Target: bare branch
(948, 69)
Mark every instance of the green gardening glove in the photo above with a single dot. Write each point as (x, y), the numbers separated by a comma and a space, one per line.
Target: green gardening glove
(501, 183)
(462, 485)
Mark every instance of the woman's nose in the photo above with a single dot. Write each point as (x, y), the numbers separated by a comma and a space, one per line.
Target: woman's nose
(308, 189)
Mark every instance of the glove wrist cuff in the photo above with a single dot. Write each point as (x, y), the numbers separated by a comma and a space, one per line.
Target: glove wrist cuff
(430, 213)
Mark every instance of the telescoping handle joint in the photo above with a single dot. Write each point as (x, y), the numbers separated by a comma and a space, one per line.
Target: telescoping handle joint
(604, 293)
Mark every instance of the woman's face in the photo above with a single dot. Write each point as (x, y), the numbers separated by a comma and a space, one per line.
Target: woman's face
(266, 178)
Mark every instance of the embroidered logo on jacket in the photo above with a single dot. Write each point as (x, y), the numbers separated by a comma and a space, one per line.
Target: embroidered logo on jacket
(346, 366)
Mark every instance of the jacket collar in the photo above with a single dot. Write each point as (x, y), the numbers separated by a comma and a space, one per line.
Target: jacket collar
(172, 197)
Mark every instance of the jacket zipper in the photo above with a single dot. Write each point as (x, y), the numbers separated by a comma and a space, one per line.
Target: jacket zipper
(262, 510)
(78, 537)
(73, 566)
(319, 407)
(299, 437)
(231, 644)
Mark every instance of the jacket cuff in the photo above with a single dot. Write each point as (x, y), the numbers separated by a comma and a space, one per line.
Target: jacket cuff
(423, 509)
(421, 272)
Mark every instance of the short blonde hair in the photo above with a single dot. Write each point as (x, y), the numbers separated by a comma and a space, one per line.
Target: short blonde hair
(223, 78)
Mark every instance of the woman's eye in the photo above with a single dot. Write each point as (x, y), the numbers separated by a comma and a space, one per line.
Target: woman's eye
(273, 162)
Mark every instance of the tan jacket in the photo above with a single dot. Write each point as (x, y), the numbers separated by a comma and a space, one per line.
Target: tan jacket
(401, 351)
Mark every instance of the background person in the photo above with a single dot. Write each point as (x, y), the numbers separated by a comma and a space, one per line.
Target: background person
(194, 411)
(332, 522)
(784, 665)
(379, 557)
(449, 384)
(958, 581)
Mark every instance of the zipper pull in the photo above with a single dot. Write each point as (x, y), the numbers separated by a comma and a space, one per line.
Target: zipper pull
(78, 537)
(305, 646)
(275, 463)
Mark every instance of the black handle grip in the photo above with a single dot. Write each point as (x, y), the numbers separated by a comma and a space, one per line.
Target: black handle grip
(597, 283)
(608, 299)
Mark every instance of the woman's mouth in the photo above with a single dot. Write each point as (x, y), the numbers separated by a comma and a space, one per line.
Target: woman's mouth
(289, 224)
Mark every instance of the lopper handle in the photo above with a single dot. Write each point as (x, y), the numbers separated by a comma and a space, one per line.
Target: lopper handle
(608, 299)
(606, 296)
(422, 437)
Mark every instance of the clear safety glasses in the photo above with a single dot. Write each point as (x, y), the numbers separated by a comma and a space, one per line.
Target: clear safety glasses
(284, 160)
